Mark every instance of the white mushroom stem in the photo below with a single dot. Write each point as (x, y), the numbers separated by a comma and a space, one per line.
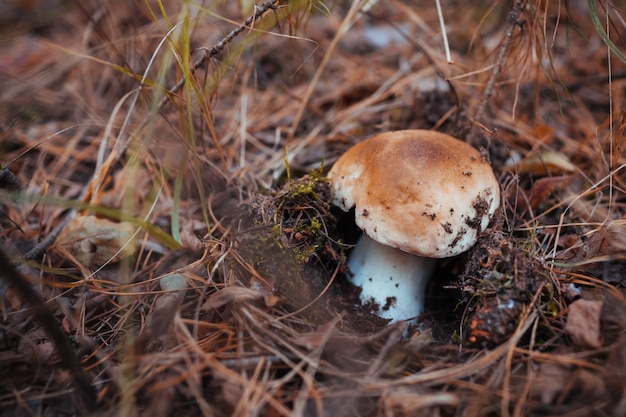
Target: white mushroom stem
(394, 279)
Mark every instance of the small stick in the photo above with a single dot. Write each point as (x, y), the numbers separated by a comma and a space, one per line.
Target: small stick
(51, 327)
(504, 49)
(46, 242)
(219, 47)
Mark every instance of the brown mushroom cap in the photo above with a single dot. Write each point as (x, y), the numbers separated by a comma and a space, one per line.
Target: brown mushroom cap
(420, 191)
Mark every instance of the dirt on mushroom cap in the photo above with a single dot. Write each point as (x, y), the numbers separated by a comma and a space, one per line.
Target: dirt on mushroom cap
(419, 191)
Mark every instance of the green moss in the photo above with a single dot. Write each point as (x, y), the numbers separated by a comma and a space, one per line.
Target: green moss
(286, 238)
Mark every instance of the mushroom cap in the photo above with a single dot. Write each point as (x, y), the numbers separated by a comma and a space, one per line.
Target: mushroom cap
(420, 191)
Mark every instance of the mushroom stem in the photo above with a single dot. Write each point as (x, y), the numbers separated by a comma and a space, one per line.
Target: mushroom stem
(394, 279)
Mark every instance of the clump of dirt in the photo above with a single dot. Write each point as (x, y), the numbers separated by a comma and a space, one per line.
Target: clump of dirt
(500, 280)
(289, 239)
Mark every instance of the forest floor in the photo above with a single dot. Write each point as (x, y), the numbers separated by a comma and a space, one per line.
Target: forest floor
(163, 192)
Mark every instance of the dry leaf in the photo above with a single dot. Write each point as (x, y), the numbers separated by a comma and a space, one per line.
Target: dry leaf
(36, 347)
(406, 401)
(230, 295)
(543, 187)
(550, 381)
(558, 383)
(94, 241)
(583, 323)
(543, 164)
(616, 363)
(165, 308)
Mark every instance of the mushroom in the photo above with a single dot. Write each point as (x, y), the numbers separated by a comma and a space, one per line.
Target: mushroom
(417, 195)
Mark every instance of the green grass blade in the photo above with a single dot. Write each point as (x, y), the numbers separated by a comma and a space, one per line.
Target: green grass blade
(598, 25)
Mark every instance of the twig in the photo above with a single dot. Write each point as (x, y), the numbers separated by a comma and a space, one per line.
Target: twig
(41, 247)
(219, 47)
(514, 21)
(51, 327)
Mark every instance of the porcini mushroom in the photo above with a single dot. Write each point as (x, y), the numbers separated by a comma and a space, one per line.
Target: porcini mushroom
(418, 195)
